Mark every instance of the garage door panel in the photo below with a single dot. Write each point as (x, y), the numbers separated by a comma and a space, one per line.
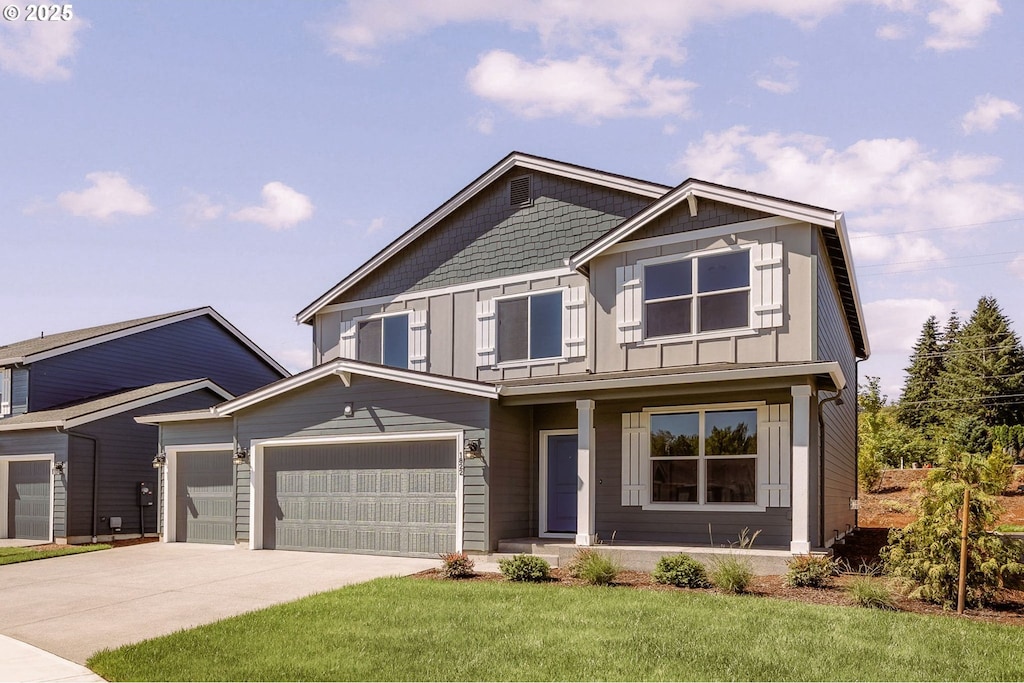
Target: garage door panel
(28, 498)
(205, 497)
(382, 498)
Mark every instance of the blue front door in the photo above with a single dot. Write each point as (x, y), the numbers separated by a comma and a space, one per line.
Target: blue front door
(562, 483)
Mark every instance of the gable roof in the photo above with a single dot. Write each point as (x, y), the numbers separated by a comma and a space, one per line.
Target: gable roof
(48, 346)
(832, 223)
(87, 411)
(513, 160)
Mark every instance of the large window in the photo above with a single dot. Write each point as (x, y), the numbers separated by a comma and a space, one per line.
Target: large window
(697, 294)
(385, 340)
(530, 327)
(704, 456)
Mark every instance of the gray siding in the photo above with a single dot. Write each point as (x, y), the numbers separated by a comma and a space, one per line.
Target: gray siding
(198, 432)
(513, 463)
(193, 348)
(44, 442)
(710, 214)
(19, 391)
(834, 342)
(487, 238)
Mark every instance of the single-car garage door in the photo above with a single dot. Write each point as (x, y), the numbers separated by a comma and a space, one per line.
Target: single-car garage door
(28, 500)
(205, 497)
(383, 498)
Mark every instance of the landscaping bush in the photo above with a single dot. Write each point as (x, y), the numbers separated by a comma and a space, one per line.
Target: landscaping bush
(868, 592)
(525, 568)
(681, 570)
(593, 567)
(456, 565)
(810, 571)
(731, 574)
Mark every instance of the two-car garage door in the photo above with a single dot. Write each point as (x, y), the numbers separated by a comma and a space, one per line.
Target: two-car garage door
(384, 497)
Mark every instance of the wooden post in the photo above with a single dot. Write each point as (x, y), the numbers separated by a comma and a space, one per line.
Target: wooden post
(962, 592)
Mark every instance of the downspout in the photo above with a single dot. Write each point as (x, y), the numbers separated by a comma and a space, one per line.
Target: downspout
(838, 398)
(856, 436)
(95, 477)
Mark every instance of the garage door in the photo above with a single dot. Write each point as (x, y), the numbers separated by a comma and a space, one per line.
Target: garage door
(393, 498)
(28, 500)
(205, 497)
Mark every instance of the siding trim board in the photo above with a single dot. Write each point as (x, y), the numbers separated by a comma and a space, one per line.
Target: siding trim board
(257, 482)
(5, 461)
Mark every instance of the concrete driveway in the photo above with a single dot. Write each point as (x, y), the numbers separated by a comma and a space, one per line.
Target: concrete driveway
(73, 606)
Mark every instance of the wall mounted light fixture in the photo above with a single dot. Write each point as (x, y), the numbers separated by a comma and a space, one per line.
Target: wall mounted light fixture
(58, 468)
(159, 461)
(349, 410)
(241, 456)
(473, 449)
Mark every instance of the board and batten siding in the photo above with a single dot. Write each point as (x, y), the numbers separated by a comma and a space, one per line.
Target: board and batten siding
(43, 442)
(19, 391)
(191, 349)
(835, 343)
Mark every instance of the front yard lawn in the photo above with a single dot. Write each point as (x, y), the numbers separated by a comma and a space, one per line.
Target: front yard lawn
(412, 629)
(12, 555)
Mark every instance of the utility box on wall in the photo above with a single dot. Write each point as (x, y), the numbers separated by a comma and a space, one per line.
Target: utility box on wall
(145, 494)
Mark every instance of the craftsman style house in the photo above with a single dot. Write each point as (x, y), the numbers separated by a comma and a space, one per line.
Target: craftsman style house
(554, 352)
(74, 464)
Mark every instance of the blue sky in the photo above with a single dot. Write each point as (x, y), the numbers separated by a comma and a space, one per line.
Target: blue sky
(166, 155)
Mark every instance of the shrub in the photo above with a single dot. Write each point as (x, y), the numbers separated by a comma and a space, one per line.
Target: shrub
(525, 568)
(731, 574)
(681, 570)
(593, 567)
(869, 471)
(810, 571)
(868, 592)
(456, 565)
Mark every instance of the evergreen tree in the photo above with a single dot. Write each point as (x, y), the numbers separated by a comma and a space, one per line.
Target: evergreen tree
(984, 368)
(917, 408)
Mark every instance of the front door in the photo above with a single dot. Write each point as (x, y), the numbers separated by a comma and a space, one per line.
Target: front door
(562, 481)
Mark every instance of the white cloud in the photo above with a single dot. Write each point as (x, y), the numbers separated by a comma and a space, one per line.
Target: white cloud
(282, 208)
(39, 50)
(484, 122)
(895, 324)
(1016, 267)
(584, 88)
(376, 225)
(891, 32)
(988, 111)
(296, 360)
(201, 209)
(959, 23)
(109, 195)
(781, 78)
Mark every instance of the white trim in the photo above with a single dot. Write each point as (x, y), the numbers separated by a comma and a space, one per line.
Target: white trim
(800, 541)
(703, 233)
(844, 241)
(522, 278)
(184, 416)
(127, 332)
(514, 160)
(257, 487)
(170, 474)
(526, 362)
(5, 461)
(586, 496)
(6, 389)
(407, 312)
(120, 408)
(543, 516)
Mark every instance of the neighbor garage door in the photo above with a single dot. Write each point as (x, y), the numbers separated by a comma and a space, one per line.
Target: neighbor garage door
(205, 504)
(384, 498)
(28, 500)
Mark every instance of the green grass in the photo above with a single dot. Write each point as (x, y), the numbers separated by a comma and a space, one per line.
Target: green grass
(410, 629)
(12, 555)
(1010, 528)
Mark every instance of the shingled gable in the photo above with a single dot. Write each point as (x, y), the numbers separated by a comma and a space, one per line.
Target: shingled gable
(516, 161)
(692, 191)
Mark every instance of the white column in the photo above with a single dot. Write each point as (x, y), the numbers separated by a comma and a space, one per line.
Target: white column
(585, 494)
(801, 543)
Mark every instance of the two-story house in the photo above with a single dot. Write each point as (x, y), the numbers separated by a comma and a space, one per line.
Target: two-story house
(558, 352)
(73, 462)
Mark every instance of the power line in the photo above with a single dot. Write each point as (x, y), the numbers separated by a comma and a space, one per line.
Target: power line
(935, 229)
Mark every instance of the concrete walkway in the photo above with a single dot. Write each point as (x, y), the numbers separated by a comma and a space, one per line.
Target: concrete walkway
(74, 606)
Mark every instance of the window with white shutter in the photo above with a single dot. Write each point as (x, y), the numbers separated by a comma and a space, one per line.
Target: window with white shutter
(5, 391)
(628, 304)
(574, 322)
(767, 285)
(418, 340)
(348, 339)
(634, 440)
(486, 332)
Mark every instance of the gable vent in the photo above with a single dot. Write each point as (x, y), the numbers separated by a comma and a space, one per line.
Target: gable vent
(519, 191)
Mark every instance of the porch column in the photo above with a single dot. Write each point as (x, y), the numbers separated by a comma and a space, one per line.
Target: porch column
(585, 494)
(801, 543)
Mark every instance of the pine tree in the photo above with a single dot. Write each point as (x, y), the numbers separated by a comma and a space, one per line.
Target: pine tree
(984, 369)
(917, 408)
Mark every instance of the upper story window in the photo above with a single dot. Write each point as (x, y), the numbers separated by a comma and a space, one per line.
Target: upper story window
(530, 327)
(5, 392)
(697, 294)
(398, 340)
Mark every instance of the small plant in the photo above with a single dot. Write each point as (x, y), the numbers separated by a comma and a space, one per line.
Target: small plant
(810, 571)
(731, 574)
(869, 592)
(681, 570)
(525, 568)
(456, 565)
(593, 567)
(1010, 528)
(895, 506)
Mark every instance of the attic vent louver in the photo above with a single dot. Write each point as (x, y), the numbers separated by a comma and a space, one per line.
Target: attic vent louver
(519, 191)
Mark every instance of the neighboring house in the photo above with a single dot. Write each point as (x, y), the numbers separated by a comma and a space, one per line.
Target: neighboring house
(555, 352)
(72, 458)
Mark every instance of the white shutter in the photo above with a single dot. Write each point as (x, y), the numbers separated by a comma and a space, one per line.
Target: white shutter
(5, 391)
(628, 304)
(486, 334)
(574, 322)
(766, 288)
(348, 339)
(775, 449)
(418, 340)
(634, 436)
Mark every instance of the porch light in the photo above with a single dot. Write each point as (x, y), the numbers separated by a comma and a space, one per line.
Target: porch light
(159, 461)
(349, 410)
(473, 449)
(241, 456)
(58, 468)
